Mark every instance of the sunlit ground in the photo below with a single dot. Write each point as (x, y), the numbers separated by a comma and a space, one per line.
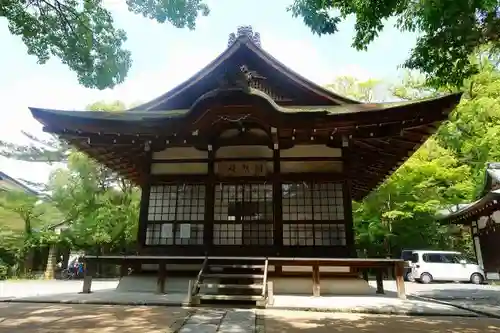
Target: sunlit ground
(58, 318)
(300, 321)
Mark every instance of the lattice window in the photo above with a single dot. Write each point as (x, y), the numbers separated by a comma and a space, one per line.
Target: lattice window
(258, 234)
(177, 202)
(181, 205)
(312, 202)
(228, 234)
(249, 210)
(243, 202)
(314, 234)
(182, 233)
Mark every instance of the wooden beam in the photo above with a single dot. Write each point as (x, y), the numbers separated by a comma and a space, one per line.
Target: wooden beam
(400, 282)
(277, 203)
(316, 281)
(380, 281)
(160, 283)
(143, 210)
(347, 202)
(208, 229)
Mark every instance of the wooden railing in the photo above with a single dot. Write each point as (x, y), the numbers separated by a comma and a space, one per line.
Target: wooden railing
(264, 281)
(196, 286)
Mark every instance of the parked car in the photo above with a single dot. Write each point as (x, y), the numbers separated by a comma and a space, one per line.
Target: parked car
(428, 266)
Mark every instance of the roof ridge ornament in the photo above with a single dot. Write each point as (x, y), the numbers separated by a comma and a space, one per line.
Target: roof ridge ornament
(493, 165)
(244, 31)
(241, 77)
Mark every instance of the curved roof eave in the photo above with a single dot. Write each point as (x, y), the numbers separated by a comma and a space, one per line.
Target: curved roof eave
(50, 116)
(472, 208)
(265, 56)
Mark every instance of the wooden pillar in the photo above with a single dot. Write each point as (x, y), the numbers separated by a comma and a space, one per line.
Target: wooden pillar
(399, 270)
(270, 293)
(123, 269)
(208, 230)
(380, 281)
(144, 204)
(347, 191)
(476, 244)
(365, 274)
(88, 271)
(277, 204)
(316, 281)
(160, 283)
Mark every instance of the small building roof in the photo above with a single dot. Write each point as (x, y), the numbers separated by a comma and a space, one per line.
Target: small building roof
(488, 202)
(8, 183)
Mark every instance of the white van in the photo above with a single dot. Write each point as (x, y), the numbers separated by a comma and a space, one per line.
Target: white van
(428, 266)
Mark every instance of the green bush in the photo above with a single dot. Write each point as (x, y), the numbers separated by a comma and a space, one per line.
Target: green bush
(4, 270)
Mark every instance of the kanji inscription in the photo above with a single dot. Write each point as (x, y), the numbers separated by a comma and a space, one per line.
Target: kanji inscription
(242, 169)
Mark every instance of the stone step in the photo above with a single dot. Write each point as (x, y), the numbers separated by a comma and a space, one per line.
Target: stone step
(211, 297)
(236, 266)
(232, 286)
(233, 276)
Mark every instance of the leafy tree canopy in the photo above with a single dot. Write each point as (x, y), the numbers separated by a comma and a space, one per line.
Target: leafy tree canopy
(83, 35)
(401, 212)
(450, 31)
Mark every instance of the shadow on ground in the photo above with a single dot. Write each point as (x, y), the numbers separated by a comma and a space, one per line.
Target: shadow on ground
(58, 318)
(49, 318)
(274, 321)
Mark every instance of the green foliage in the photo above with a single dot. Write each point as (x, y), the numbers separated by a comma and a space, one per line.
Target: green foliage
(4, 270)
(450, 31)
(101, 209)
(24, 205)
(359, 90)
(83, 35)
(94, 208)
(473, 133)
(401, 212)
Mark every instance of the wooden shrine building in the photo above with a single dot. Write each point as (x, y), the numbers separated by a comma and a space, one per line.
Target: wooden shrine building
(249, 159)
(483, 218)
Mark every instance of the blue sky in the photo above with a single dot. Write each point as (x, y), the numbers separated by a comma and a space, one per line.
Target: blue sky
(164, 56)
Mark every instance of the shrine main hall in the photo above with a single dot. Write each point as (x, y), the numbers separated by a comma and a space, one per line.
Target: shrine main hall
(249, 162)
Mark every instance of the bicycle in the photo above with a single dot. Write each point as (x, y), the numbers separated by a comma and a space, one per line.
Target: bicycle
(67, 274)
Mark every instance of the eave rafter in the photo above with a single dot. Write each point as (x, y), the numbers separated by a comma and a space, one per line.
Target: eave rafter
(381, 137)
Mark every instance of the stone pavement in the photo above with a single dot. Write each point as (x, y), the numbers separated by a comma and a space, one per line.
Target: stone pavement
(485, 298)
(386, 305)
(356, 304)
(219, 320)
(71, 318)
(482, 299)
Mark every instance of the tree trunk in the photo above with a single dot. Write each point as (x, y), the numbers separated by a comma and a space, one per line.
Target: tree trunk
(51, 263)
(28, 261)
(66, 255)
